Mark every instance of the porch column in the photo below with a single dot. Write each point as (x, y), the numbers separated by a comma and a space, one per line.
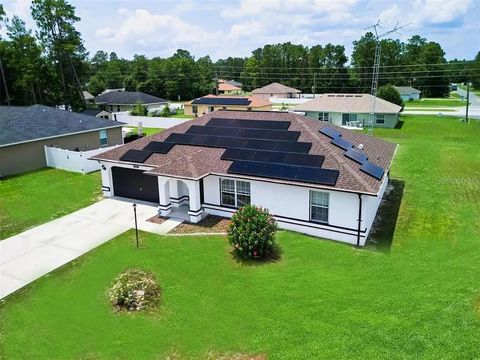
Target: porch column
(174, 193)
(165, 207)
(195, 210)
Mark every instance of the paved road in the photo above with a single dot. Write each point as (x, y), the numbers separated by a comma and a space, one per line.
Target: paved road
(473, 112)
(474, 100)
(27, 256)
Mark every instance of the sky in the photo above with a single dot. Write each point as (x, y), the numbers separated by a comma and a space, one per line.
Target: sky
(236, 27)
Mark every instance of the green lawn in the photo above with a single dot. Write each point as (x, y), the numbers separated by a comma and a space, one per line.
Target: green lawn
(39, 196)
(323, 300)
(181, 115)
(434, 103)
(146, 130)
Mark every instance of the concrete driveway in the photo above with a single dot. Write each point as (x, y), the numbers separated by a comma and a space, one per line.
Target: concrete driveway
(29, 255)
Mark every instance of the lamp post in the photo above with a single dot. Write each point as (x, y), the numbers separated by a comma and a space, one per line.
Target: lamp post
(135, 215)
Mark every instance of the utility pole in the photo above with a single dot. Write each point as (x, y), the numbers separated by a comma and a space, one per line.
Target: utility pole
(467, 120)
(376, 69)
(216, 84)
(314, 87)
(4, 83)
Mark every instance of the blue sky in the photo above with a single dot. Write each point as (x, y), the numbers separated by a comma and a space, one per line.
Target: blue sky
(236, 27)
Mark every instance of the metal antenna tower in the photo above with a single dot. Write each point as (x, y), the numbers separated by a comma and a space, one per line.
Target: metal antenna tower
(376, 68)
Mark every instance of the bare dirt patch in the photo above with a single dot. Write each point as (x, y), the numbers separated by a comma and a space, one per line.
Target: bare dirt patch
(157, 219)
(211, 224)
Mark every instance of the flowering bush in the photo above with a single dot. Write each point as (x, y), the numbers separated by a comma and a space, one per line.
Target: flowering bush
(134, 290)
(252, 232)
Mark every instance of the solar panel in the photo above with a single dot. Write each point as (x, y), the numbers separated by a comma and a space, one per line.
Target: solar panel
(221, 101)
(274, 157)
(285, 172)
(279, 135)
(138, 156)
(372, 170)
(249, 124)
(356, 155)
(342, 143)
(158, 147)
(238, 143)
(330, 132)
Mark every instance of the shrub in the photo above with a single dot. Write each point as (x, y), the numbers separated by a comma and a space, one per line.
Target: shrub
(139, 110)
(252, 232)
(389, 93)
(134, 290)
(166, 111)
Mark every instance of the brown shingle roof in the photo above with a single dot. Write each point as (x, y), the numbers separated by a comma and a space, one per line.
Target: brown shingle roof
(193, 162)
(275, 88)
(348, 103)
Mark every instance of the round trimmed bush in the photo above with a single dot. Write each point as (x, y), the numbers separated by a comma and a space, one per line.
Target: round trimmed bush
(134, 290)
(252, 232)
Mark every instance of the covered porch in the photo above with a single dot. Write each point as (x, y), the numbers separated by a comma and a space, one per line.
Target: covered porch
(181, 198)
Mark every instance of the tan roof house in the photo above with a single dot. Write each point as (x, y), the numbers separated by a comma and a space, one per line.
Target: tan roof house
(351, 110)
(206, 104)
(275, 90)
(228, 89)
(408, 93)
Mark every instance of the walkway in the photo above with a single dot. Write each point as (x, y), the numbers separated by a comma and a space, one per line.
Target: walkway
(29, 255)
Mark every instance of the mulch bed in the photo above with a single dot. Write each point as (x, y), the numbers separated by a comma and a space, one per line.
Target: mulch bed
(157, 219)
(211, 224)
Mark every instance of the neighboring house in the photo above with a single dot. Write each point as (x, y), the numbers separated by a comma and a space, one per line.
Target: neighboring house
(89, 98)
(98, 113)
(350, 110)
(117, 101)
(25, 130)
(234, 83)
(296, 167)
(228, 89)
(206, 104)
(408, 93)
(275, 90)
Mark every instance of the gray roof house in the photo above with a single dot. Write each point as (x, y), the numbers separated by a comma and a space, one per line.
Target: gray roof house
(117, 101)
(27, 129)
(275, 90)
(408, 93)
(350, 110)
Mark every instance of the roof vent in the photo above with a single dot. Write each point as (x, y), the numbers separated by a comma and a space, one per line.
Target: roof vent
(360, 147)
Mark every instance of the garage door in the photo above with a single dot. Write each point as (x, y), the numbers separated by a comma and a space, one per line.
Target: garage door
(133, 184)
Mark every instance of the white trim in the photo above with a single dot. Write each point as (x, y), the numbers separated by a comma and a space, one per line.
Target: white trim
(62, 135)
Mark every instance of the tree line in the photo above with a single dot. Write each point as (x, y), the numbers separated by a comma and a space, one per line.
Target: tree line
(52, 66)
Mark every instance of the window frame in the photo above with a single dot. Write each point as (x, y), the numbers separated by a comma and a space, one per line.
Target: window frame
(321, 116)
(101, 138)
(376, 119)
(321, 206)
(194, 109)
(236, 192)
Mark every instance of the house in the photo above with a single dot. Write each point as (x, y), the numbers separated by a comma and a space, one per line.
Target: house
(276, 90)
(228, 89)
(89, 98)
(408, 93)
(25, 130)
(117, 101)
(350, 110)
(314, 177)
(98, 113)
(209, 103)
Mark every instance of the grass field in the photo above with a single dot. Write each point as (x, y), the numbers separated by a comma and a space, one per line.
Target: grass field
(181, 115)
(39, 196)
(434, 103)
(323, 300)
(147, 131)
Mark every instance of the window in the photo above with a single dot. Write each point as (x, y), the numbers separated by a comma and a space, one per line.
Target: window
(249, 109)
(211, 109)
(319, 206)
(118, 108)
(348, 118)
(194, 109)
(111, 108)
(234, 192)
(323, 116)
(380, 119)
(103, 137)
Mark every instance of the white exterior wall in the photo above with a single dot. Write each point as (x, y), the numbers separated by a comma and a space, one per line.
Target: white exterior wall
(291, 207)
(370, 206)
(148, 121)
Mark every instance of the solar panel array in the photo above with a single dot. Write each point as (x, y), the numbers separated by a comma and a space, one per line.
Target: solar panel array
(249, 124)
(138, 156)
(221, 101)
(158, 147)
(285, 172)
(244, 133)
(306, 160)
(353, 154)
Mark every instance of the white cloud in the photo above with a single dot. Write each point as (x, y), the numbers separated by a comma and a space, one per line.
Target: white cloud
(438, 11)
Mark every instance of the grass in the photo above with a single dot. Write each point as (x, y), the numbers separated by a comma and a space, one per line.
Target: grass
(146, 131)
(434, 103)
(181, 115)
(323, 300)
(39, 196)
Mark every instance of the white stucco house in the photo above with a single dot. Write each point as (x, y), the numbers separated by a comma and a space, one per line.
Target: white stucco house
(351, 110)
(314, 177)
(408, 93)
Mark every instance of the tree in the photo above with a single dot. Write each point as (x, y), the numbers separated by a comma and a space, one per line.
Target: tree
(389, 93)
(139, 110)
(96, 85)
(476, 72)
(63, 44)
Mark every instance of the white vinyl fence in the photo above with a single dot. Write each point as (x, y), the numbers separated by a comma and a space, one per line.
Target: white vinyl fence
(148, 121)
(288, 101)
(76, 161)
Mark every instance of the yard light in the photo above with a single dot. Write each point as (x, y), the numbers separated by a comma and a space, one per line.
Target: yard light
(135, 215)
